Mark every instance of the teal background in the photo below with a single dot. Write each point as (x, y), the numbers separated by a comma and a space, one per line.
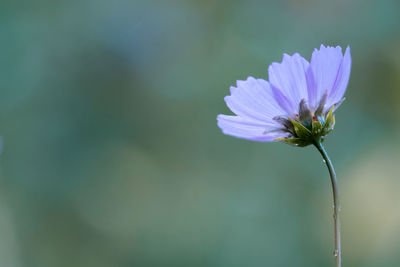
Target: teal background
(111, 155)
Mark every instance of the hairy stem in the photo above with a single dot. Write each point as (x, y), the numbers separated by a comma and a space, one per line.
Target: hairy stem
(336, 205)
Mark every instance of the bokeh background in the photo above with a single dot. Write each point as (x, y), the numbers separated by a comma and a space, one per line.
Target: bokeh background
(111, 155)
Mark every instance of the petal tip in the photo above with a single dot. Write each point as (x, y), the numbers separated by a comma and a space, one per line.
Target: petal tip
(227, 99)
(347, 51)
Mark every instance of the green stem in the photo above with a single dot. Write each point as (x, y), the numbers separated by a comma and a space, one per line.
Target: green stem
(336, 204)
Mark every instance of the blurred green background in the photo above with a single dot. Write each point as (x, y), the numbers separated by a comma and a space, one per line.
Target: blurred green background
(111, 154)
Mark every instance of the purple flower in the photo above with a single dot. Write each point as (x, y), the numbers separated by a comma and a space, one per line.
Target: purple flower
(296, 105)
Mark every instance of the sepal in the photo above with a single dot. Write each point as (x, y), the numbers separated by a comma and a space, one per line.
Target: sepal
(329, 121)
(316, 128)
(301, 131)
(294, 141)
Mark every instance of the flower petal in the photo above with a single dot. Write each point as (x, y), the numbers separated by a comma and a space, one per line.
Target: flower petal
(289, 77)
(329, 72)
(339, 88)
(286, 104)
(253, 99)
(247, 129)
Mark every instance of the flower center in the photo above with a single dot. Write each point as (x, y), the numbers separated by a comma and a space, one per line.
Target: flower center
(308, 125)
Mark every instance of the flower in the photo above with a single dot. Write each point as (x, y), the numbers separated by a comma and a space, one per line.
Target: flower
(296, 105)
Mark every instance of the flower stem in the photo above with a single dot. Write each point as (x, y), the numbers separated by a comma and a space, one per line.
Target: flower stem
(336, 205)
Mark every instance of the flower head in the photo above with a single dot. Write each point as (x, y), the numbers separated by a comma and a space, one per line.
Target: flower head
(296, 105)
